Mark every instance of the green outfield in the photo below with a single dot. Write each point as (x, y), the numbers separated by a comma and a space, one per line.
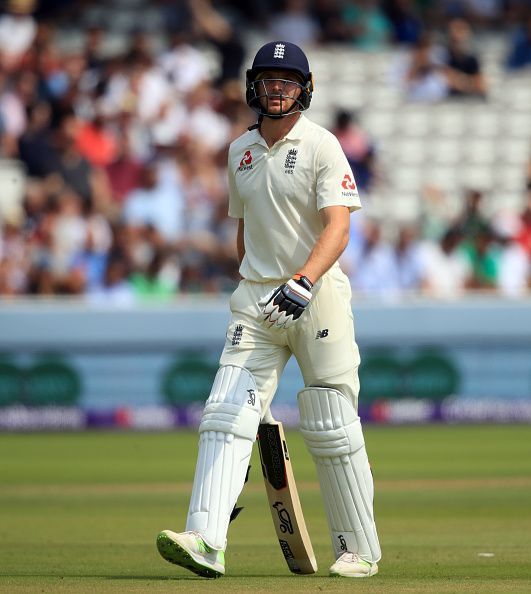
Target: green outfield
(80, 513)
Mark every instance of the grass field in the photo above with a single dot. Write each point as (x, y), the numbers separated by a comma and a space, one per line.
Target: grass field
(80, 513)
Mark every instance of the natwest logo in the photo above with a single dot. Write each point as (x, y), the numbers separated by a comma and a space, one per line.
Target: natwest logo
(348, 183)
(246, 162)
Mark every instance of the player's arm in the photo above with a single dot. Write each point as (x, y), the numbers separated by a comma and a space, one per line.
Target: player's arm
(240, 245)
(331, 243)
(284, 306)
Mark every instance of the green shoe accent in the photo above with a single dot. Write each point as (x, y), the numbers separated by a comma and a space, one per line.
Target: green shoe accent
(175, 553)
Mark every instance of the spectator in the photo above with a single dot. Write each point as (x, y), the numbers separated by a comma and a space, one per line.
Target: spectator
(435, 214)
(409, 263)
(483, 254)
(156, 204)
(91, 260)
(368, 27)
(159, 280)
(12, 116)
(327, 15)
(446, 270)
(95, 143)
(484, 13)
(17, 32)
(419, 73)
(405, 21)
(520, 46)
(203, 122)
(70, 232)
(463, 69)
(14, 264)
(514, 272)
(116, 290)
(94, 52)
(472, 222)
(36, 144)
(225, 36)
(524, 234)
(294, 23)
(124, 170)
(184, 66)
(90, 183)
(372, 264)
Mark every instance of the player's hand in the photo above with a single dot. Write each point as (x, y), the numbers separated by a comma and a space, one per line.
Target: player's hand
(284, 305)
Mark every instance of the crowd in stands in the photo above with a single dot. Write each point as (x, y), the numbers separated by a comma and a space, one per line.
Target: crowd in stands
(113, 156)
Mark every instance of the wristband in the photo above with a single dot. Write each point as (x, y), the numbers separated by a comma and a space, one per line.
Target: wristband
(304, 281)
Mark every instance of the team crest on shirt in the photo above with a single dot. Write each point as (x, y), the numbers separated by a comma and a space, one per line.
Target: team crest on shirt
(349, 186)
(247, 162)
(289, 163)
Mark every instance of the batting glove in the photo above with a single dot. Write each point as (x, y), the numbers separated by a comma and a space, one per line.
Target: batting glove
(284, 305)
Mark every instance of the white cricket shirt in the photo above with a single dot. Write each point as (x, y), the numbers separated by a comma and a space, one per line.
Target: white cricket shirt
(279, 192)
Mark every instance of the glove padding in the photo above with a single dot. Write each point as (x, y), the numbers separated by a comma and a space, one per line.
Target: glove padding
(283, 306)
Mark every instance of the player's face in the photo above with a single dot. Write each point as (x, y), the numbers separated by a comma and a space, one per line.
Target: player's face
(278, 90)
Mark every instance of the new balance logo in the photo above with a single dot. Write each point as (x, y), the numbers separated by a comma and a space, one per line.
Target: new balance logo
(237, 335)
(279, 51)
(289, 163)
(321, 333)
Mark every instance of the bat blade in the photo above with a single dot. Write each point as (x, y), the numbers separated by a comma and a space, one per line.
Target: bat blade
(283, 498)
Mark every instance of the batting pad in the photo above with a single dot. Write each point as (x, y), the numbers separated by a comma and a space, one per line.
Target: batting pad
(332, 431)
(226, 435)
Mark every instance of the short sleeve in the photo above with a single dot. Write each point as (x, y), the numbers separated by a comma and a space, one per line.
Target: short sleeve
(235, 201)
(335, 181)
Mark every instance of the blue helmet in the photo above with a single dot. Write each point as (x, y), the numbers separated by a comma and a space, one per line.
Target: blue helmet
(279, 55)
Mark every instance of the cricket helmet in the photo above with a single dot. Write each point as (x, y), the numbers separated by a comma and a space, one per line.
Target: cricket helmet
(279, 55)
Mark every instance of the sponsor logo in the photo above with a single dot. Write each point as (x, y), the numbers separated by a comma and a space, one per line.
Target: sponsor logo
(289, 164)
(246, 162)
(284, 518)
(349, 187)
(279, 51)
(321, 334)
(348, 183)
(237, 336)
(252, 397)
(286, 549)
(342, 542)
(289, 556)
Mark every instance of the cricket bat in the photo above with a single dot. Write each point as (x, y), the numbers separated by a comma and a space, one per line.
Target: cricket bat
(284, 500)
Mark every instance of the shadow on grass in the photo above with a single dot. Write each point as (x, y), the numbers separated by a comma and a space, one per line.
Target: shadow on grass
(158, 578)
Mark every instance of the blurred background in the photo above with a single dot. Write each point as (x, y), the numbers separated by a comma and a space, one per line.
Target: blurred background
(116, 253)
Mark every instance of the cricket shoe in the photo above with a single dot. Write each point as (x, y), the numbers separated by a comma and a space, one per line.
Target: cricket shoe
(189, 550)
(352, 565)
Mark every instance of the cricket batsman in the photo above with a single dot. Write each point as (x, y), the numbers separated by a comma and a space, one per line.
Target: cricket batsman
(292, 191)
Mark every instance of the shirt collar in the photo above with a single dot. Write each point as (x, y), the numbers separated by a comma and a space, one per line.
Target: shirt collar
(296, 133)
(257, 138)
